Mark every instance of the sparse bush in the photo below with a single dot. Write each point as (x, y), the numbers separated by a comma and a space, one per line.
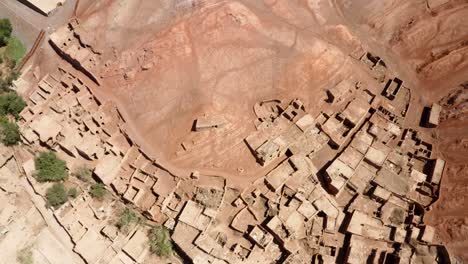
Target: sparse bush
(160, 242)
(127, 218)
(11, 103)
(5, 31)
(73, 192)
(56, 195)
(25, 256)
(50, 168)
(97, 190)
(83, 173)
(9, 132)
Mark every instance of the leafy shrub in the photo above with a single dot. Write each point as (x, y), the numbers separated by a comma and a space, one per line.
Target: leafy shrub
(160, 242)
(83, 173)
(11, 103)
(9, 132)
(15, 50)
(127, 218)
(97, 190)
(5, 31)
(73, 192)
(50, 168)
(56, 195)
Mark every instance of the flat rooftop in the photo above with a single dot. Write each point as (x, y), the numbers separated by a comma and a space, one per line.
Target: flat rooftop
(44, 6)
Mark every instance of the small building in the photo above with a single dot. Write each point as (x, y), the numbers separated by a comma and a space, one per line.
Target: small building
(307, 210)
(194, 215)
(438, 170)
(339, 168)
(137, 247)
(108, 168)
(91, 245)
(306, 122)
(46, 128)
(367, 226)
(434, 115)
(270, 150)
(46, 7)
(433, 4)
(204, 123)
(392, 88)
(260, 236)
(356, 110)
(278, 176)
(340, 91)
(392, 182)
(381, 193)
(427, 234)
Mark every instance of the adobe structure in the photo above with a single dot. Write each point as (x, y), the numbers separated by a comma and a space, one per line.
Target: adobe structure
(347, 178)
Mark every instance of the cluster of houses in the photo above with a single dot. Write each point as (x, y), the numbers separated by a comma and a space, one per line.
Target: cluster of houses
(73, 44)
(365, 204)
(348, 185)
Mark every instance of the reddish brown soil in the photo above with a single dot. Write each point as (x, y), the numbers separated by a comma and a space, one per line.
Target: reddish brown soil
(221, 57)
(450, 213)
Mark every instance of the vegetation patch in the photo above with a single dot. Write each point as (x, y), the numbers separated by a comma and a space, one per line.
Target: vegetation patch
(127, 219)
(97, 191)
(6, 80)
(11, 103)
(11, 53)
(5, 31)
(9, 132)
(160, 241)
(73, 192)
(56, 195)
(15, 50)
(50, 168)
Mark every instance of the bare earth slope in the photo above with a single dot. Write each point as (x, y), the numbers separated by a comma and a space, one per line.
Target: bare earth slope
(449, 214)
(220, 59)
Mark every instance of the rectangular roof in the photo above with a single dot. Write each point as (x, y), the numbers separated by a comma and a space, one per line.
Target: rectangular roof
(46, 6)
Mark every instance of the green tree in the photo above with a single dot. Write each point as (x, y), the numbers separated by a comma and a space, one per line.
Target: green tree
(127, 218)
(97, 190)
(6, 82)
(5, 31)
(50, 168)
(15, 50)
(9, 132)
(73, 192)
(11, 103)
(56, 195)
(160, 242)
